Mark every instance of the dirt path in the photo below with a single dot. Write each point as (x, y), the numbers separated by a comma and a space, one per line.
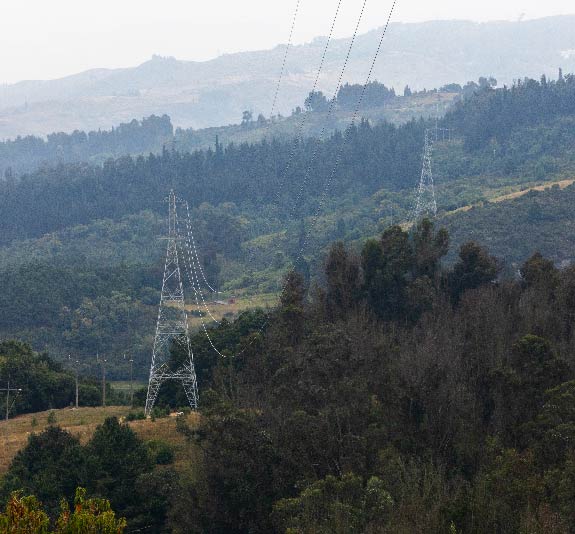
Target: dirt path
(517, 194)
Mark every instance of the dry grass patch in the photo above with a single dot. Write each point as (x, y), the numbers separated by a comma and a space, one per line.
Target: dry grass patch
(82, 423)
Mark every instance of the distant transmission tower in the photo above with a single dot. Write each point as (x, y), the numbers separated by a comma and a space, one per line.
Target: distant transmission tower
(425, 203)
(172, 325)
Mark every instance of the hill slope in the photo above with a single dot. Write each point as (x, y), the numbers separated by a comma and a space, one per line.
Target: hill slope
(202, 94)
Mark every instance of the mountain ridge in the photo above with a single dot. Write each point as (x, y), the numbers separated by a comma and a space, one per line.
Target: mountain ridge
(209, 93)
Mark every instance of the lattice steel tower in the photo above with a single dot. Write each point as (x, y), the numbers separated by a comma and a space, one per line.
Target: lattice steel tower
(172, 325)
(425, 203)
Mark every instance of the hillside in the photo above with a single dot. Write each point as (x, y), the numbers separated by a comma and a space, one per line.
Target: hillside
(84, 237)
(216, 92)
(350, 367)
(154, 134)
(81, 423)
(516, 226)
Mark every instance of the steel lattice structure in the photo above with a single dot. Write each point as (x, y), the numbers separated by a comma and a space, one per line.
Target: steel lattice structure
(425, 203)
(172, 325)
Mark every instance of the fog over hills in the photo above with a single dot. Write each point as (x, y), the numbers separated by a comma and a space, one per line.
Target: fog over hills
(215, 92)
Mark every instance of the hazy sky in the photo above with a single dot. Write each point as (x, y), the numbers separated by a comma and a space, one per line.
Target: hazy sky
(41, 39)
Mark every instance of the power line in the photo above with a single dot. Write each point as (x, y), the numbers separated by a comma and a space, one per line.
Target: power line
(330, 109)
(191, 236)
(338, 157)
(282, 70)
(297, 140)
(189, 267)
(299, 130)
(204, 327)
(351, 125)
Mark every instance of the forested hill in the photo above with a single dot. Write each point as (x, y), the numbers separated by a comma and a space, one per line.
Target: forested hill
(492, 116)
(316, 116)
(26, 154)
(531, 140)
(54, 198)
(251, 217)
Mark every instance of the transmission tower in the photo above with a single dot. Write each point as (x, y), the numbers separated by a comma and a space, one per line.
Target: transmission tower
(425, 203)
(172, 325)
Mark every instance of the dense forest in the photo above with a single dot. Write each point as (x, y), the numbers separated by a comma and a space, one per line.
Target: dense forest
(149, 135)
(54, 198)
(25, 154)
(399, 395)
(492, 115)
(252, 207)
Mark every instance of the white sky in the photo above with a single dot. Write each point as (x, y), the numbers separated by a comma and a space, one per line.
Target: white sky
(43, 39)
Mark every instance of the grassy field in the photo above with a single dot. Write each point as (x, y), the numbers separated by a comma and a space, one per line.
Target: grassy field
(124, 385)
(82, 423)
(562, 184)
(230, 308)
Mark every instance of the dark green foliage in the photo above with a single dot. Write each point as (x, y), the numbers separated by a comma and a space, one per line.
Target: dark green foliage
(44, 383)
(51, 466)
(113, 473)
(401, 271)
(335, 505)
(343, 282)
(530, 371)
(356, 412)
(493, 114)
(54, 463)
(317, 101)
(539, 271)
(157, 492)
(162, 452)
(442, 415)
(138, 416)
(55, 198)
(25, 154)
(374, 95)
(291, 310)
(245, 473)
(474, 268)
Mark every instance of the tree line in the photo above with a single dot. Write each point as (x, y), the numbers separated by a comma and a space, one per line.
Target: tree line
(398, 395)
(25, 154)
(493, 114)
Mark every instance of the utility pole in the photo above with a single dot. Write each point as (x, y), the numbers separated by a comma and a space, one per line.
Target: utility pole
(76, 365)
(103, 363)
(8, 390)
(131, 360)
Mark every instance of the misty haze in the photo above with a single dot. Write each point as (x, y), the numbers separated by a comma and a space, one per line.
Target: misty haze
(301, 268)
